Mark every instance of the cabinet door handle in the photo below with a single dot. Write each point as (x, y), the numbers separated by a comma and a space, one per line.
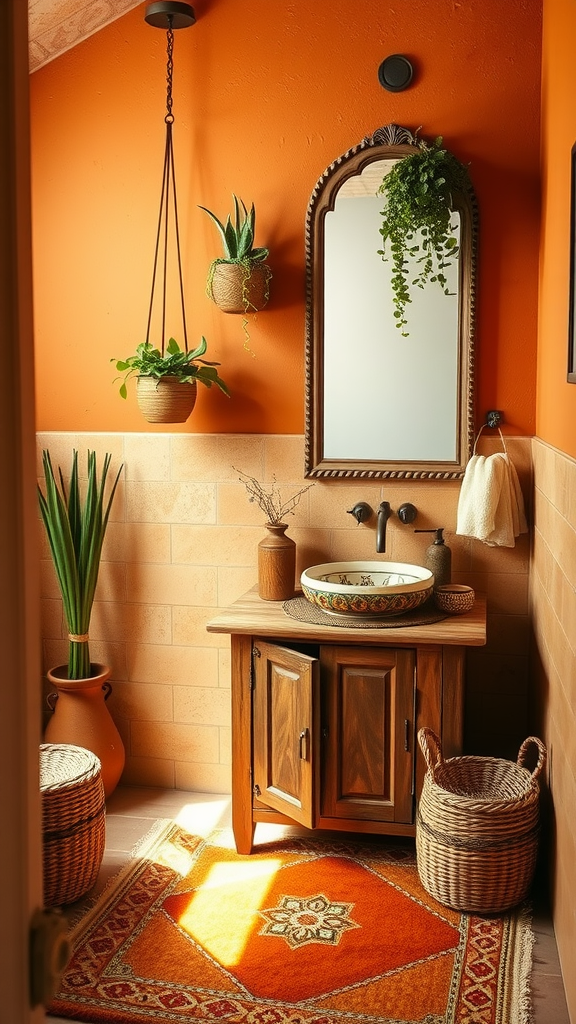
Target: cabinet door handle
(406, 734)
(303, 741)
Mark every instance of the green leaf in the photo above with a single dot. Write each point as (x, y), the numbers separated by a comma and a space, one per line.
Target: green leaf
(231, 240)
(200, 350)
(217, 222)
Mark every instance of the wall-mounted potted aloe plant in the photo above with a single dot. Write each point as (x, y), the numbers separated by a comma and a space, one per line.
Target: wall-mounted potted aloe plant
(418, 229)
(166, 385)
(238, 282)
(75, 526)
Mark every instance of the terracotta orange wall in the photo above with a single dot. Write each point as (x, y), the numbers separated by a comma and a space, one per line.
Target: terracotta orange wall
(556, 403)
(266, 96)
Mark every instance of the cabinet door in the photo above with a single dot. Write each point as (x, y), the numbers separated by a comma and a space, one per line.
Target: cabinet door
(285, 731)
(368, 733)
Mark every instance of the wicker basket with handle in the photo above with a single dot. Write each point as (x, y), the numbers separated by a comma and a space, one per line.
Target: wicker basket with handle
(477, 827)
(73, 821)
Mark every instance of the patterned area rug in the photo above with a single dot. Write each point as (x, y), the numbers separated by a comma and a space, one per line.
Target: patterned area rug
(306, 931)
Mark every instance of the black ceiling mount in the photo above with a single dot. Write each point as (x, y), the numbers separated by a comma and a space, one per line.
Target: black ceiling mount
(170, 14)
(395, 73)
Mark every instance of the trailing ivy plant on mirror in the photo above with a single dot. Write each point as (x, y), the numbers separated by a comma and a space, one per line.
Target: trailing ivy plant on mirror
(390, 312)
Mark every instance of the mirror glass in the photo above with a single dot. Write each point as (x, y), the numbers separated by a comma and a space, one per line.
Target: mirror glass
(380, 404)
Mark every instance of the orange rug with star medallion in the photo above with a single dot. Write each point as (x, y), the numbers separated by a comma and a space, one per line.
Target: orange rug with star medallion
(303, 931)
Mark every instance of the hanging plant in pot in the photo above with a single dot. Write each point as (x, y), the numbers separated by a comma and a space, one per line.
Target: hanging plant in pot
(166, 383)
(238, 282)
(75, 528)
(167, 377)
(418, 226)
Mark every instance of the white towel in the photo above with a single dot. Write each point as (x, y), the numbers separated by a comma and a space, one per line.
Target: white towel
(491, 505)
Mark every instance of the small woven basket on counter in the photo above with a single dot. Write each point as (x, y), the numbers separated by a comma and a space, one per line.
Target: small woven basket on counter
(73, 821)
(477, 827)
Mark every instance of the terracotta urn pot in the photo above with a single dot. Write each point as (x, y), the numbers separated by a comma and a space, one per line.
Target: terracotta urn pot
(82, 718)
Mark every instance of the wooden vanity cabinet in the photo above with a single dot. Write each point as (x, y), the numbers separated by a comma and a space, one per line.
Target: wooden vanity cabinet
(325, 718)
(333, 734)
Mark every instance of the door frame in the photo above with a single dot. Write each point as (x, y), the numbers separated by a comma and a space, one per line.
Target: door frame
(20, 850)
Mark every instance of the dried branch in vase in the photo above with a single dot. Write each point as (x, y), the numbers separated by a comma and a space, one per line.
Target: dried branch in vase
(270, 501)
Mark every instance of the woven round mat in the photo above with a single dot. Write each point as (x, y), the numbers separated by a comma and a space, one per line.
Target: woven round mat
(303, 609)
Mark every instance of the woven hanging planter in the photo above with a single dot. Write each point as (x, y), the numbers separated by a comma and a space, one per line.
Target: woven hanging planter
(237, 288)
(167, 400)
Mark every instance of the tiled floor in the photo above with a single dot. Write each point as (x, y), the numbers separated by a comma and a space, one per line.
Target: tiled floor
(131, 813)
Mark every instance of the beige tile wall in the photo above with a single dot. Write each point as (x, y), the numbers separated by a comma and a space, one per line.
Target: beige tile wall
(553, 605)
(182, 542)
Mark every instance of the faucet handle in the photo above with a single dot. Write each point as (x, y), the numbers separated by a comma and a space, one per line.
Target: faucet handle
(407, 512)
(361, 511)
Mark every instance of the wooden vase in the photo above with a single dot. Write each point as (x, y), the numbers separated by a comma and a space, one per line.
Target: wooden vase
(82, 718)
(236, 288)
(276, 564)
(165, 399)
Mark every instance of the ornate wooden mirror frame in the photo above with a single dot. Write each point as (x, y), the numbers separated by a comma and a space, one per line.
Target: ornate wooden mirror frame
(389, 143)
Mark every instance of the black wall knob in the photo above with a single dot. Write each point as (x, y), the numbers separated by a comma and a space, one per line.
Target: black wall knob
(395, 73)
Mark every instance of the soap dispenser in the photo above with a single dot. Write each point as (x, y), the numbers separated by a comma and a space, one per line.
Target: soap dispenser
(438, 558)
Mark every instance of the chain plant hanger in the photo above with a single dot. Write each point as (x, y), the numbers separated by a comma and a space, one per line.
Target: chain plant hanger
(169, 15)
(167, 375)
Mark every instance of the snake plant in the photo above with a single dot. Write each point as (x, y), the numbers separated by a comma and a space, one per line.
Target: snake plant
(75, 530)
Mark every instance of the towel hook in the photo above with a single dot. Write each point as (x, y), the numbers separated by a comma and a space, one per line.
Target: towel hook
(493, 418)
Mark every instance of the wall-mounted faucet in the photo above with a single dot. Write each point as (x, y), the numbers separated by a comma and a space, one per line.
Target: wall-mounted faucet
(384, 513)
(362, 511)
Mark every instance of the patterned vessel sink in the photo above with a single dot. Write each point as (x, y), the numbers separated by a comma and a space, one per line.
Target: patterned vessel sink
(367, 588)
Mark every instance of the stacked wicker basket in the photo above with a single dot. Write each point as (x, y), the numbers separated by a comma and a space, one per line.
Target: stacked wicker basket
(73, 821)
(477, 827)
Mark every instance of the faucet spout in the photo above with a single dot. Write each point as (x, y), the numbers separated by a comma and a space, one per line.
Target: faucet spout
(384, 513)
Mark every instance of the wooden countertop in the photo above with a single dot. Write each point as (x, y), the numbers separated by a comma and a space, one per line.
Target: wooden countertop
(251, 615)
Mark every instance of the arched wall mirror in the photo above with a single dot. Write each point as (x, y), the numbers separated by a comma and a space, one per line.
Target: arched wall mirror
(379, 404)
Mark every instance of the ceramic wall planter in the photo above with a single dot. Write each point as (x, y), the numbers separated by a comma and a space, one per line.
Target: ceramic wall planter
(165, 400)
(238, 287)
(276, 564)
(82, 718)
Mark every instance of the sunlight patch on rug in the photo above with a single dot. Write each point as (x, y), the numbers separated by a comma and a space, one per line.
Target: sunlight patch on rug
(219, 913)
